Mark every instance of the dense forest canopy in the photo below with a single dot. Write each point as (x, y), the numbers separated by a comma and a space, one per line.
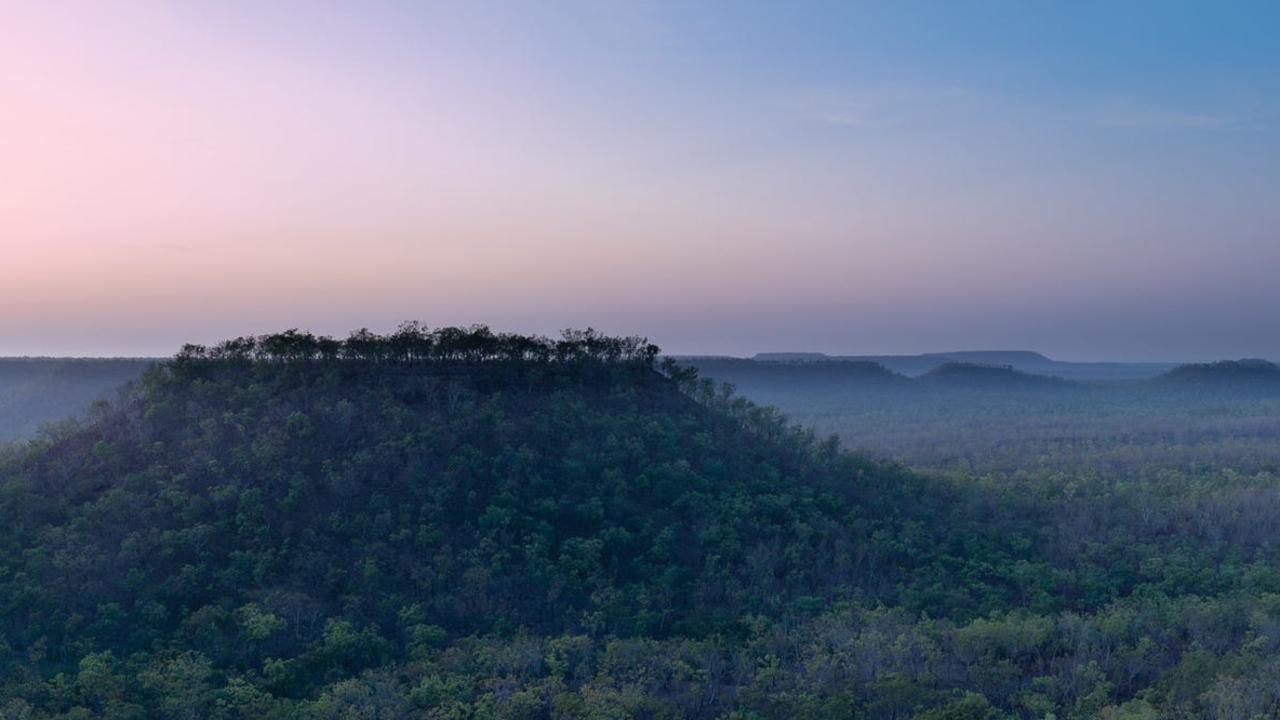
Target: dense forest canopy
(455, 523)
(415, 343)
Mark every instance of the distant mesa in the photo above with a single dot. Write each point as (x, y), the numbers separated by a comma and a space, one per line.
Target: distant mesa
(835, 374)
(995, 357)
(983, 376)
(1027, 361)
(826, 371)
(985, 357)
(791, 357)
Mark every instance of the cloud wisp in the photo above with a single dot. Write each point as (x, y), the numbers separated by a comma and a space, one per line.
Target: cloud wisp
(1137, 116)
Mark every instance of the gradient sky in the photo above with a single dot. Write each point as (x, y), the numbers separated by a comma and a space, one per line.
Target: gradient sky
(1088, 179)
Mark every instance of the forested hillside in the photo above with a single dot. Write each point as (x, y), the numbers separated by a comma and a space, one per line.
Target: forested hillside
(35, 391)
(461, 524)
(1250, 376)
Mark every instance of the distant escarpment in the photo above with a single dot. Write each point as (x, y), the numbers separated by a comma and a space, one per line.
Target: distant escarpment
(800, 374)
(977, 376)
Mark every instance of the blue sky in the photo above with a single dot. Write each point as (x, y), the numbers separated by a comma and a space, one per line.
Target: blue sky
(1092, 180)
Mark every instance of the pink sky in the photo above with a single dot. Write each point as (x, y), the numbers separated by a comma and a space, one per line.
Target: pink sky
(177, 172)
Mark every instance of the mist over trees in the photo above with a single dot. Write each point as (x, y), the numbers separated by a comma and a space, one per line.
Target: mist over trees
(35, 391)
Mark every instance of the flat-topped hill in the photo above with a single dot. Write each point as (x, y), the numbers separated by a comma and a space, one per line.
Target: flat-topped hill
(289, 512)
(977, 376)
(843, 374)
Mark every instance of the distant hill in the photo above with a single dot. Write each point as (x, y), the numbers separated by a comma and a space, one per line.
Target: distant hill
(995, 357)
(978, 376)
(1252, 375)
(765, 380)
(791, 357)
(1023, 360)
(828, 374)
(35, 391)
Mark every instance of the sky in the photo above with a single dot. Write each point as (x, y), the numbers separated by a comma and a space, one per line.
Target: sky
(1093, 180)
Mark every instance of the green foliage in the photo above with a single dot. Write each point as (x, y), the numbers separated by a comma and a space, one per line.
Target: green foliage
(970, 707)
(462, 524)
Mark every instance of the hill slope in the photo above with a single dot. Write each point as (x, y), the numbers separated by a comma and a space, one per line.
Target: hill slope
(266, 520)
